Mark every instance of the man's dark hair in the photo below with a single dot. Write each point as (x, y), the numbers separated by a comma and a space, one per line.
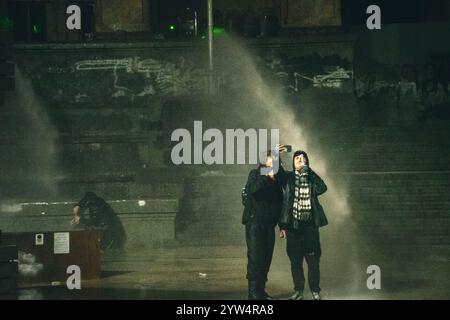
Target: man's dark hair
(297, 153)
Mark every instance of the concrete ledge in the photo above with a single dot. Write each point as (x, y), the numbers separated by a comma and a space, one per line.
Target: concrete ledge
(147, 230)
(147, 222)
(183, 43)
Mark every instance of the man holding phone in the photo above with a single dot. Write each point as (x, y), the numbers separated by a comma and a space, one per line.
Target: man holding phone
(262, 211)
(300, 220)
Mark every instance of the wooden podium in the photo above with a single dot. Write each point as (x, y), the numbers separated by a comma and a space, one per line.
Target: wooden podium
(45, 256)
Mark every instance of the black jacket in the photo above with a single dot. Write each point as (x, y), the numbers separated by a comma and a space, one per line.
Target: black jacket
(95, 211)
(317, 187)
(265, 197)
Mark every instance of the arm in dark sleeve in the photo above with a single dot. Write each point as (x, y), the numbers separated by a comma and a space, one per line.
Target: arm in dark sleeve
(282, 225)
(89, 197)
(284, 215)
(319, 186)
(281, 176)
(256, 181)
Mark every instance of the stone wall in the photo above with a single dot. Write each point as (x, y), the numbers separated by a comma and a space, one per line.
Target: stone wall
(101, 114)
(402, 75)
(103, 103)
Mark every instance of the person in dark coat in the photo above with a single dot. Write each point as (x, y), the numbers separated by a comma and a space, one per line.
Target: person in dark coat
(300, 220)
(261, 214)
(93, 212)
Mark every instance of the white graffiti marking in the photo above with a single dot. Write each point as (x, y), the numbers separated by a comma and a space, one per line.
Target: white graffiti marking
(108, 64)
(169, 78)
(333, 79)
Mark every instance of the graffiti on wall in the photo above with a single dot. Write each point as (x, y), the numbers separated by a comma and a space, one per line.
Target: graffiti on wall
(332, 79)
(428, 82)
(311, 71)
(161, 77)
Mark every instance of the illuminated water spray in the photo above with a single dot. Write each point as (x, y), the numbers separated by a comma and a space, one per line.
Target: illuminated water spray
(40, 136)
(268, 100)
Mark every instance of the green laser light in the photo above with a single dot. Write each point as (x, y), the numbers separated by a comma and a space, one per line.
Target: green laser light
(36, 28)
(218, 31)
(6, 23)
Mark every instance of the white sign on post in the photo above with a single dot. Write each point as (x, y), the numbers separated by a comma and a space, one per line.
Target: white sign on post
(61, 243)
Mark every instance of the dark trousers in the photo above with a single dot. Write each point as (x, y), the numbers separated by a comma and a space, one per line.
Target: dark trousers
(260, 244)
(304, 244)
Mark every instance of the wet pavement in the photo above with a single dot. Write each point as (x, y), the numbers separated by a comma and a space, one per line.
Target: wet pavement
(218, 273)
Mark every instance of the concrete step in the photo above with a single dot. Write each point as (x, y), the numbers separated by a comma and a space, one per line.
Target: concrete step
(385, 206)
(403, 229)
(370, 213)
(412, 191)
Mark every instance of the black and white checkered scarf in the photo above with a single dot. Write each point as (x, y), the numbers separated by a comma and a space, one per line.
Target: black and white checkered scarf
(302, 197)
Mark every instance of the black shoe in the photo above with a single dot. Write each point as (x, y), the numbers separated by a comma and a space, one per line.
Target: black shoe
(253, 291)
(298, 295)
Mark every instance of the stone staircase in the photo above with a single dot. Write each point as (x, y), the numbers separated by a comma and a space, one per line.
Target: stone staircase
(211, 211)
(386, 150)
(403, 208)
(388, 209)
(396, 197)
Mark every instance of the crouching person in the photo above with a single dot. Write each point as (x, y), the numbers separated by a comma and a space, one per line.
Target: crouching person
(93, 212)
